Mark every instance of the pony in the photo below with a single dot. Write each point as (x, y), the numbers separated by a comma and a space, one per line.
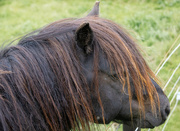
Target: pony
(75, 72)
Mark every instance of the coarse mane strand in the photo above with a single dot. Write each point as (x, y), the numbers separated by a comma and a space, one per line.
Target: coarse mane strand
(41, 82)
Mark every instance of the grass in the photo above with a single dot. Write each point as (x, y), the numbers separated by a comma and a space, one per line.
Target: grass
(154, 23)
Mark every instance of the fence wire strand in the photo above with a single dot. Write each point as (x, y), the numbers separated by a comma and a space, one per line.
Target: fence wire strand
(174, 87)
(167, 58)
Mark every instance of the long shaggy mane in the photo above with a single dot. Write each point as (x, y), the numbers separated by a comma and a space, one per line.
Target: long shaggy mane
(42, 86)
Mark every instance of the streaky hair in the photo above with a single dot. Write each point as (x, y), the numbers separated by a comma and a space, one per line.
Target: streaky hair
(42, 86)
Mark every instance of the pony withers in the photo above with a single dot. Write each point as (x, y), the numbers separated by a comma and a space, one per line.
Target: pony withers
(74, 72)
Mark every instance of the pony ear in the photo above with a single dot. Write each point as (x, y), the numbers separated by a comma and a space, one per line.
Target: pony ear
(84, 37)
(95, 10)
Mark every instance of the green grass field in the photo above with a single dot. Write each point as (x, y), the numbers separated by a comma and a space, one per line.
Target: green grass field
(154, 23)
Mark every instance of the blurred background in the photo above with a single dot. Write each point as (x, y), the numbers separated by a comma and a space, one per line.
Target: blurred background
(154, 23)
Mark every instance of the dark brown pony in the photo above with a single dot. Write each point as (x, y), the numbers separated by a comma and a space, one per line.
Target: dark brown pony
(76, 71)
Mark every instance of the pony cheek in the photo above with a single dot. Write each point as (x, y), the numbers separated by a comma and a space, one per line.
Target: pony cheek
(111, 101)
(125, 113)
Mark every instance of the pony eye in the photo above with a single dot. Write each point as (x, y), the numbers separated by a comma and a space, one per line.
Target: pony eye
(114, 77)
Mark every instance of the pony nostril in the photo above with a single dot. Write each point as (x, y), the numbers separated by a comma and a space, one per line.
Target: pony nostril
(166, 112)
